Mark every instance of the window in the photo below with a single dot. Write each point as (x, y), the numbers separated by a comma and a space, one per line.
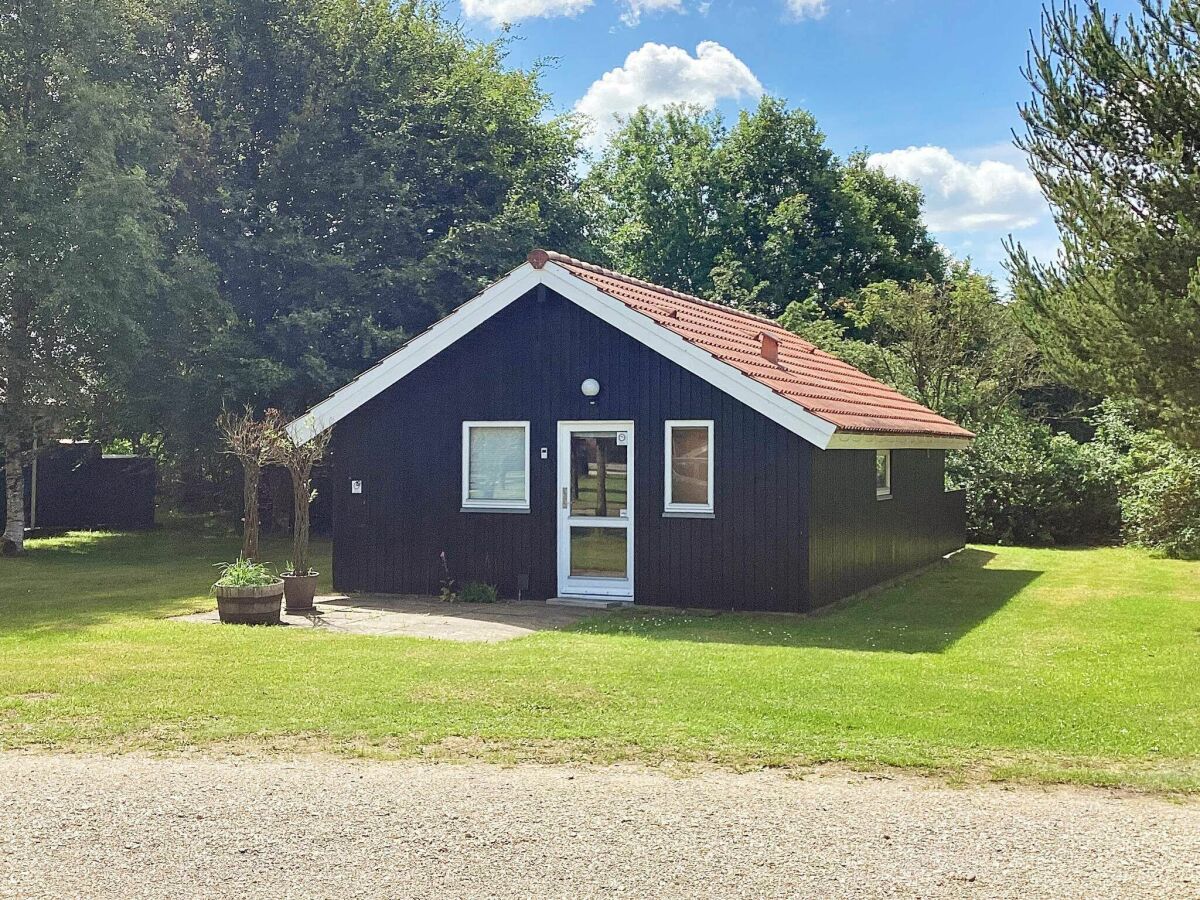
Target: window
(495, 472)
(689, 468)
(883, 474)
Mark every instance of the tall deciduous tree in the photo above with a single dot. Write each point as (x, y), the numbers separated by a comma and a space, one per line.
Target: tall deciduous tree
(1113, 136)
(758, 214)
(652, 196)
(84, 151)
(360, 167)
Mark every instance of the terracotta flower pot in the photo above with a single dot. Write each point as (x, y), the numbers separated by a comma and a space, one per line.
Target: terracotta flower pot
(249, 605)
(299, 590)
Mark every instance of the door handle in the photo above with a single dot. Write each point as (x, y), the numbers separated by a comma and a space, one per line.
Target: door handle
(564, 500)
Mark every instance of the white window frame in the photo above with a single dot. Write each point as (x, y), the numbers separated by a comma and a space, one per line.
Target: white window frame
(670, 507)
(883, 493)
(469, 504)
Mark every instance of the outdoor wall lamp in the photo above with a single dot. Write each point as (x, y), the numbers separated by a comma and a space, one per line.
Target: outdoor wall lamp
(590, 387)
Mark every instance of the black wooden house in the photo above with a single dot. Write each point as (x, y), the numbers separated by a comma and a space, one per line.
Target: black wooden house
(576, 433)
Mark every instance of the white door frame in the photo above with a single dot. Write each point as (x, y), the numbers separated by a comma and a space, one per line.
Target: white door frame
(605, 588)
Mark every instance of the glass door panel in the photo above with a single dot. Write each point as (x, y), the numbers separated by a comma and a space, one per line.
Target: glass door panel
(599, 475)
(598, 552)
(595, 540)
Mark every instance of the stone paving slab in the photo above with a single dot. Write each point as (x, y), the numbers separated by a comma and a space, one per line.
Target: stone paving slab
(409, 616)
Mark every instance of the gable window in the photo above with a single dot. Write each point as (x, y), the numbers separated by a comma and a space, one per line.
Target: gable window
(883, 474)
(689, 468)
(495, 465)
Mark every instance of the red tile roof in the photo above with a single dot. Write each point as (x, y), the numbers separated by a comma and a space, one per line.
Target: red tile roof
(822, 384)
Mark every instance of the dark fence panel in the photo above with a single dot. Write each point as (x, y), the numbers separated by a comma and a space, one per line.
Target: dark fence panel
(78, 487)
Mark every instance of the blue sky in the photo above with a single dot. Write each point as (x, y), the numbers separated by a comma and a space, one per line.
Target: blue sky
(929, 86)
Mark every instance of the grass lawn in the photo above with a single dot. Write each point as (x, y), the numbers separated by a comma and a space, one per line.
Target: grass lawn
(1072, 665)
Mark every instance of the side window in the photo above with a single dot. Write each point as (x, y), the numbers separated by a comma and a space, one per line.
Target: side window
(689, 467)
(495, 465)
(883, 474)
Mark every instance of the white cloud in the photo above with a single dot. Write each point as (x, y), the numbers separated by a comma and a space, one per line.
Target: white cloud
(967, 196)
(498, 12)
(656, 75)
(635, 8)
(807, 9)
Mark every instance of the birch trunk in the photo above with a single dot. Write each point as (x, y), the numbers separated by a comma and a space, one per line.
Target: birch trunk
(13, 541)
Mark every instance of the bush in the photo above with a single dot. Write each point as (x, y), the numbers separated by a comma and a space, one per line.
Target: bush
(1159, 483)
(478, 592)
(1027, 485)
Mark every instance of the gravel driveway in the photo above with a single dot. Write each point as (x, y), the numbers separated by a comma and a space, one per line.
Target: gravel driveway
(132, 826)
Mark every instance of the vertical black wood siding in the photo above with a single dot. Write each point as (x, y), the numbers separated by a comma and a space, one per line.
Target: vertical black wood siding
(858, 540)
(527, 362)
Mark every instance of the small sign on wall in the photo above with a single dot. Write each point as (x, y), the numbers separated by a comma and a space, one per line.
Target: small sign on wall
(356, 487)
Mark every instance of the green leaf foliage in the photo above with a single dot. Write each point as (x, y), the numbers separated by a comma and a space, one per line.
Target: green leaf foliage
(352, 170)
(478, 592)
(245, 573)
(1112, 134)
(759, 214)
(91, 248)
(1027, 485)
(1159, 483)
(951, 344)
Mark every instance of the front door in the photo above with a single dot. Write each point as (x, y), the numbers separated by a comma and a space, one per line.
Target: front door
(595, 509)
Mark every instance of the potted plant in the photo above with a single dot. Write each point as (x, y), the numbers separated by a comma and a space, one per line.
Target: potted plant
(248, 593)
(299, 579)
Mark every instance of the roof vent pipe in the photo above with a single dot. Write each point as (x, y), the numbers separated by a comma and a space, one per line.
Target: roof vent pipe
(770, 348)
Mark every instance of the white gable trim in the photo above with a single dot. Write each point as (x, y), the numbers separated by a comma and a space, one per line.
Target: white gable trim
(699, 362)
(520, 281)
(420, 349)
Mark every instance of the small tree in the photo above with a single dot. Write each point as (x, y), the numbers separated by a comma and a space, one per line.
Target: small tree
(248, 441)
(299, 460)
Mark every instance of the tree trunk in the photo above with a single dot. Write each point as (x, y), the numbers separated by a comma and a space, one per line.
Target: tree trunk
(13, 541)
(251, 474)
(302, 495)
(15, 360)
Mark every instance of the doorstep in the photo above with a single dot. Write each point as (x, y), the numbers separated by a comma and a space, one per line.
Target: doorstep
(589, 602)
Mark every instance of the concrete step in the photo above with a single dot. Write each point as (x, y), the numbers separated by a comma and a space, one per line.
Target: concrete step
(587, 603)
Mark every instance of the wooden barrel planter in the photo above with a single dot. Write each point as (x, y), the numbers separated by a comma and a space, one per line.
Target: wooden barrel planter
(249, 605)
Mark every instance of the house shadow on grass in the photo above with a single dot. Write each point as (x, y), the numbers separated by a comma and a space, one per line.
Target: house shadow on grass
(927, 614)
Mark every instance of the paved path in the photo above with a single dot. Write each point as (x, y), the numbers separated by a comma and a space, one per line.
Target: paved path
(134, 827)
(426, 617)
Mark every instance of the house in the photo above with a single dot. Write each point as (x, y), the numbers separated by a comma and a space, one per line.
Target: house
(576, 433)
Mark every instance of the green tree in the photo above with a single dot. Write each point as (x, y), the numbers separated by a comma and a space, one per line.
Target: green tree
(86, 146)
(756, 215)
(353, 170)
(378, 168)
(652, 194)
(951, 344)
(1113, 136)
